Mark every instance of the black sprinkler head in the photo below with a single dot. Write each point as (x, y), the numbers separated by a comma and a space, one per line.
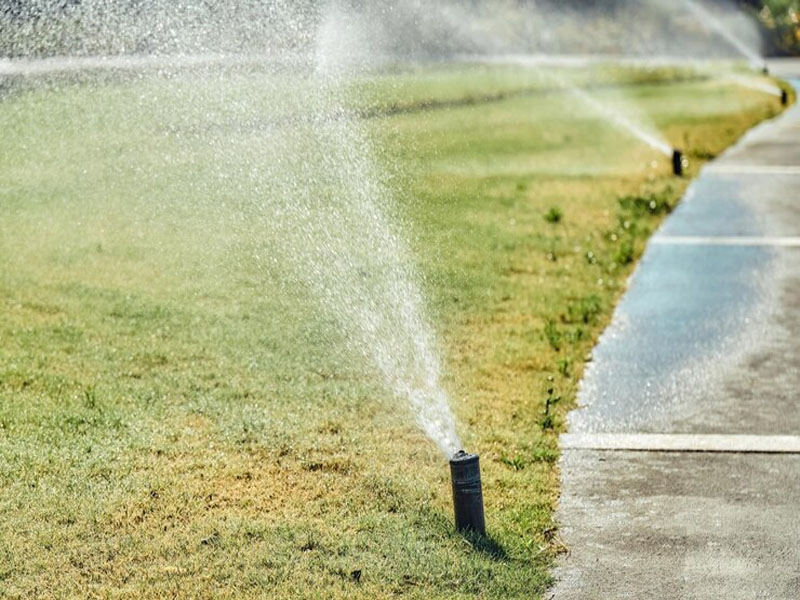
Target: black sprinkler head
(784, 97)
(765, 70)
(465, 473)
(677, 162)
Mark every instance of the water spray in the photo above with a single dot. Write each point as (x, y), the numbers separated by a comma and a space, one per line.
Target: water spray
(714, 24)
(617, 119)
(678, 162)
(758, 85)
(465, 473)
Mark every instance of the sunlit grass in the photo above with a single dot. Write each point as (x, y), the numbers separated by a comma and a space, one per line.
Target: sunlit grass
(174, 420)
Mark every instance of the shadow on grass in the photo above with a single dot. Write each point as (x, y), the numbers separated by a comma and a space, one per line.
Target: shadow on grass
(482, 544)
(486, 545)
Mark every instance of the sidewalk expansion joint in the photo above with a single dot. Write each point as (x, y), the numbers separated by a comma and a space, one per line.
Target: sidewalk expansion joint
(683, 442)
(698, 240)
(734, 169)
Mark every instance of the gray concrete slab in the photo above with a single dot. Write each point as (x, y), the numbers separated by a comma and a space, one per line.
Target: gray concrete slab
(679, 526)
(705, 342)
(683, 442)
(741, 240)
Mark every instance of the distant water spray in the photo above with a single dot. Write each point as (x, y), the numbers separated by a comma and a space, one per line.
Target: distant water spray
(333, 235)
(753, 84)
(615, 116)
(621, 122)
(713, 23)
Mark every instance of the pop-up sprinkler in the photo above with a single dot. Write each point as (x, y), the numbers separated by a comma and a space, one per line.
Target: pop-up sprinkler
(677, 162)
(784, 97)
(467, 494)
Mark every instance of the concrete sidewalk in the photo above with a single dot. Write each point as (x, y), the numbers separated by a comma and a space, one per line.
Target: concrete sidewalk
(704, 343)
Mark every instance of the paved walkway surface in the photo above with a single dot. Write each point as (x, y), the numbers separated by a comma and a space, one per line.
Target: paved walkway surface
(681, 476)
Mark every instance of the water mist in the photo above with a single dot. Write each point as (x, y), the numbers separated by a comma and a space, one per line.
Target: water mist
(340, 242)
(377, 301)
(621, 121)
(714, 24)
(756, 84)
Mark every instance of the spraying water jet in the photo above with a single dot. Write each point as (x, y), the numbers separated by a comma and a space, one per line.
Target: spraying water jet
(713, 23)
(617, 119)
(755, 84)
(465, 474)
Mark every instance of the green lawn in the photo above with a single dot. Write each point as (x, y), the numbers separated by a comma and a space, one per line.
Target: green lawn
(178, 415)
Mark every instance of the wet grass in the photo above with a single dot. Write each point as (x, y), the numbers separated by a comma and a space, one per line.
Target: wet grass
(174, 421)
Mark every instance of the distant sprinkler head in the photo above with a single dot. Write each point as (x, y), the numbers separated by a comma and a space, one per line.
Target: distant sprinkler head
(784, 97)
(678, 162)
(465, 473)
(765, 70)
